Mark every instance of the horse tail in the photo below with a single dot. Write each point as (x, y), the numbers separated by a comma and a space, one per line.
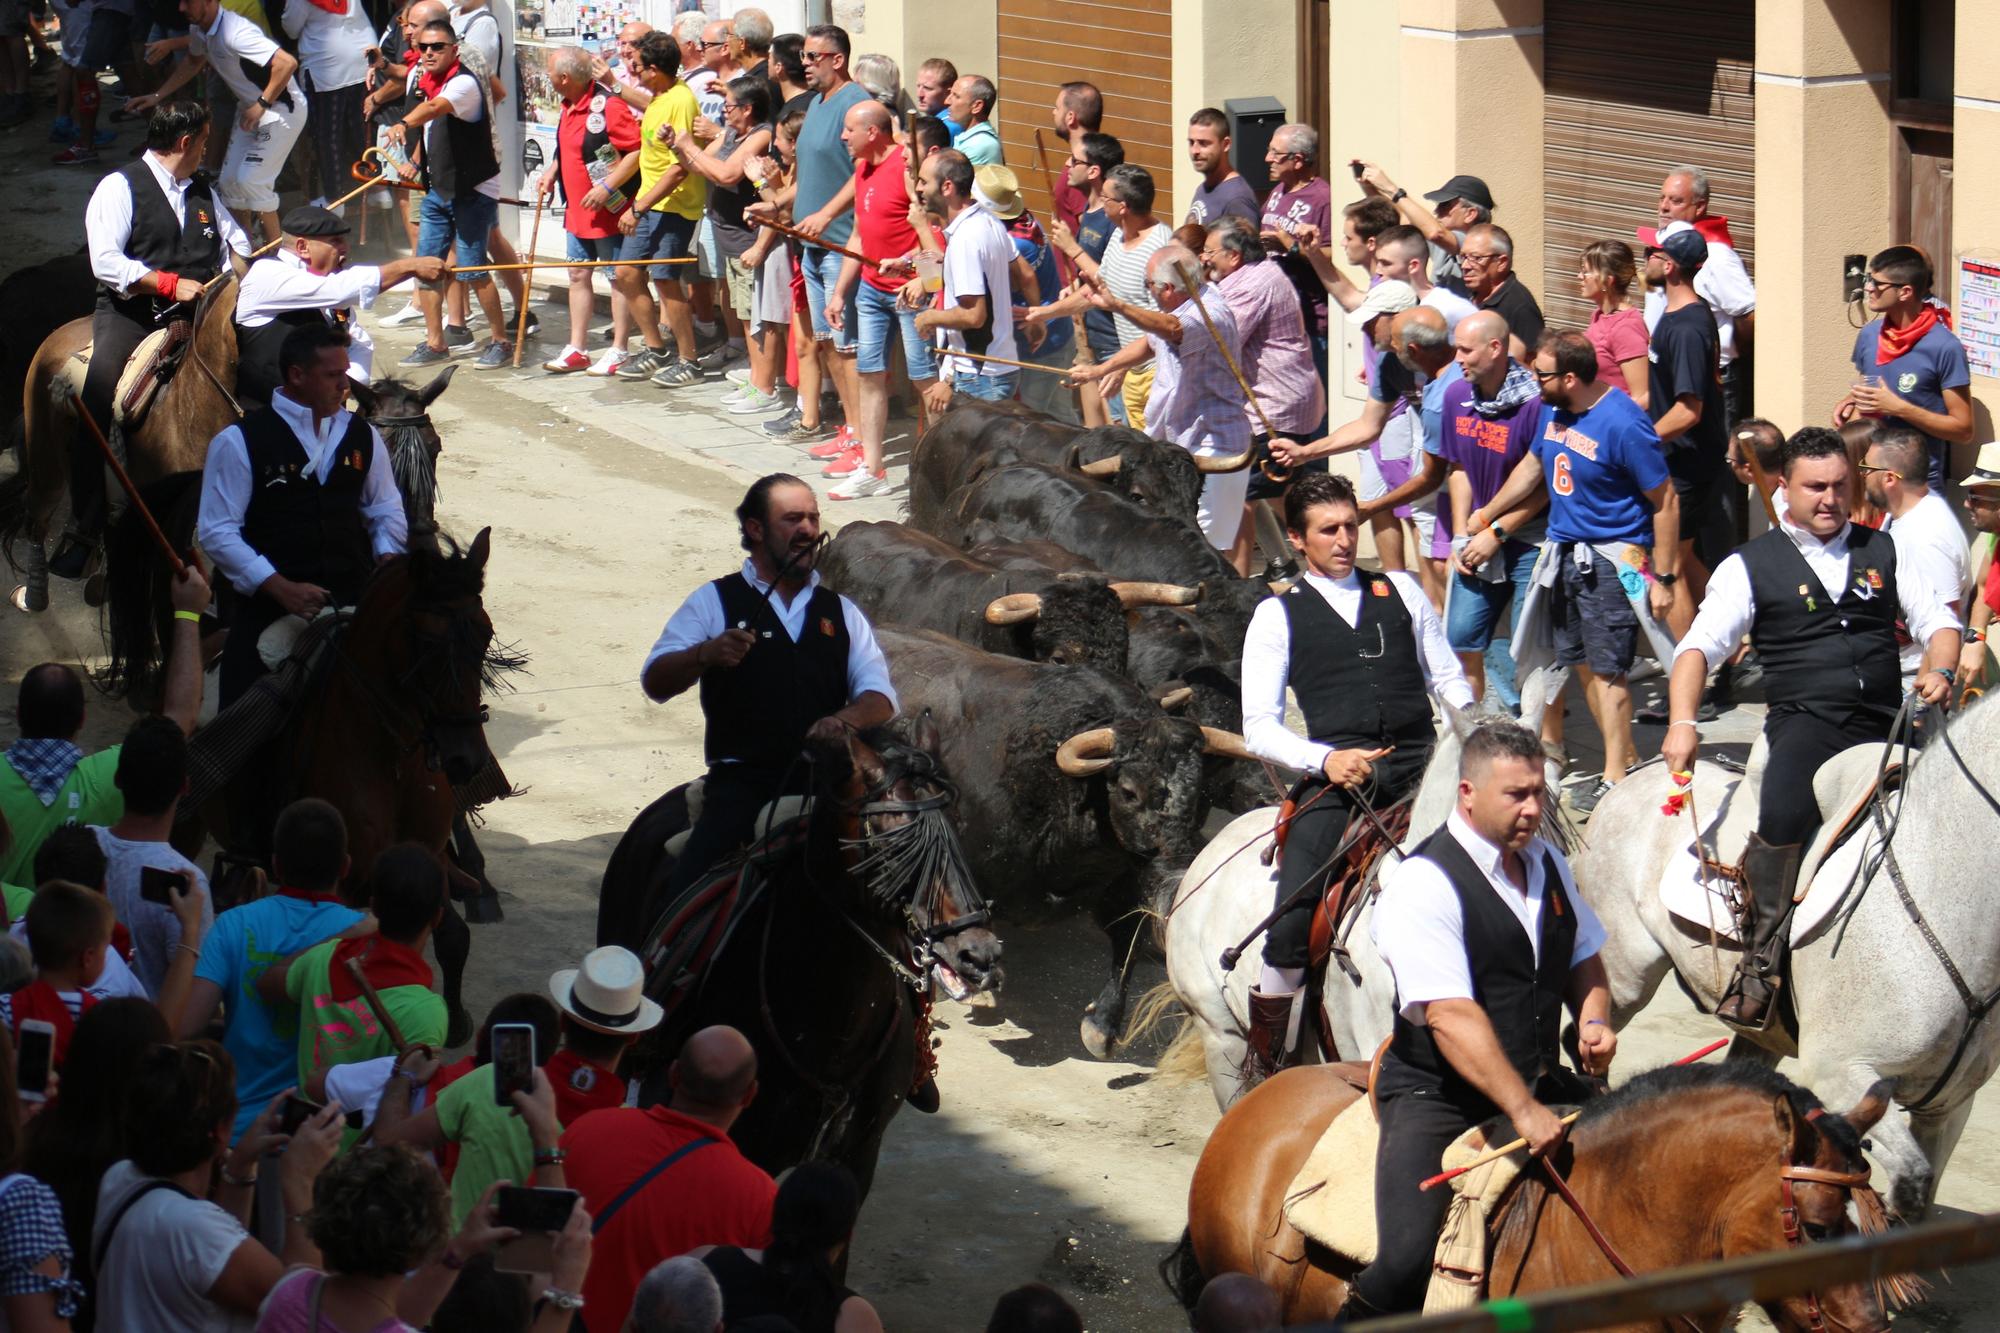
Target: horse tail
(1185, 1060)
(1154, 1008)
(138, 582)
(1182, 1272)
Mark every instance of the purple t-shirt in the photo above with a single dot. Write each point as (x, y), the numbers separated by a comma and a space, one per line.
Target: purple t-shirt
(1234, 195)
(1485, 449)
(1311, 205)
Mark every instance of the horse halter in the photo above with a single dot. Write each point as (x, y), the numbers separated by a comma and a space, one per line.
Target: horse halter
(1868, 1207)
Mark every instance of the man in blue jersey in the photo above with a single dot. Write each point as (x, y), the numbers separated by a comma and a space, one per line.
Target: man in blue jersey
(1613, 535)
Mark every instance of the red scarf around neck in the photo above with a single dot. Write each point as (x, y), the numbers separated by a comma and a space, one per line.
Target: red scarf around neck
(1894, 342)
(383, 961)
(431, 87)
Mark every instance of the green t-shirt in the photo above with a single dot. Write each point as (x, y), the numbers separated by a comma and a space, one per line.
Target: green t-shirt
(343, 1032)
(88, 796)
(493, 1141)
(18, 899)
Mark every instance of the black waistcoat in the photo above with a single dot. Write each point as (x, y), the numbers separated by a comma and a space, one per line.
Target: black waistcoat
(311, 530)
(458, 154)
(1359, 683)
(759, 711)
(257, 372)
(190, 247)
(1523, 1000)
(1832, 647)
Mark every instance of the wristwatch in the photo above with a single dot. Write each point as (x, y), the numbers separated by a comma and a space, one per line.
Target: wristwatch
(1399, 196)
(1499, 533)
(1666, 580)
(264, 102)
(562, 1300)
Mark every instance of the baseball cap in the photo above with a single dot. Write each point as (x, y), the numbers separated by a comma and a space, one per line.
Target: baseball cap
(1469, 188)
(312, 220)
(1384, 298)
(1986, 469)
(1680, 240)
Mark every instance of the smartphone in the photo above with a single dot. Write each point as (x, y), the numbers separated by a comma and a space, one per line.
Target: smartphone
(34, 1057)
(157, 885)
(513, 1061)
(295, 1112)
(1356, 167)
(538, 1214)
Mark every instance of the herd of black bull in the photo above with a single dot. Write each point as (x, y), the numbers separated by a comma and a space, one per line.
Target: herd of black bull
(1053, 606)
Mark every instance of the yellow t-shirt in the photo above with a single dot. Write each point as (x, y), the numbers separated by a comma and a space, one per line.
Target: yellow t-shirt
(676, 107)
(252, 10)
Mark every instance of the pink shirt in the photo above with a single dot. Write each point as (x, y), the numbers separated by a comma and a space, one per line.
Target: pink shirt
(1277, 355)
(288, 1309)
(1618, 338)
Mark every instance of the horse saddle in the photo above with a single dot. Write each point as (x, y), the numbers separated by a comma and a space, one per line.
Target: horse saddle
(1346, 884)
(769, 819)
(151, 368)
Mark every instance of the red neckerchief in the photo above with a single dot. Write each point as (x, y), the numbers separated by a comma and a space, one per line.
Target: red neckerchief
(1895, 342)
(1715, 231)
(431, 87)
(311, 895)
(335, 7)
(384, 962)
(121, 940)
(581, 1087)
(38, 999)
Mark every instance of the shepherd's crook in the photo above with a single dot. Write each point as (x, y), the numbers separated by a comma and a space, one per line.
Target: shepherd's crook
(1270, 431)
(125, 480)
(527, 286)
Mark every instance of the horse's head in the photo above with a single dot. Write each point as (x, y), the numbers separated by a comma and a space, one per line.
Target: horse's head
(401, 411)
(1825, 1195)
(899, 845)
(446, 657)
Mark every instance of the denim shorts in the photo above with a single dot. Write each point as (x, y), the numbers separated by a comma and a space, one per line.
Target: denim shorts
(593, 247)
(822, 270)
(1472, 608)
(880, 319)
(1594, 621)
(458, 227)
(660, 235)
(986, 388)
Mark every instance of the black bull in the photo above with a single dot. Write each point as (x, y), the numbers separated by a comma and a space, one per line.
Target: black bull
(1075, 788)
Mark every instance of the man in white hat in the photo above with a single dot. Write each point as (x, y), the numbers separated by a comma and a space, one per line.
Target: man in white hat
(1982, 506)
(604, 1010)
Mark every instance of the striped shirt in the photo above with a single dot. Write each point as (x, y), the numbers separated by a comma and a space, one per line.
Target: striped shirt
(1123, 271)
(1277, 357)
(1195, 402)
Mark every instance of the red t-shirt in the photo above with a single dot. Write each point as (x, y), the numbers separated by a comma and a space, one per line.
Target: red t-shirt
(712, 1196)
(572, 128)
(882, 216)
(581, 1087)
(1991, 594)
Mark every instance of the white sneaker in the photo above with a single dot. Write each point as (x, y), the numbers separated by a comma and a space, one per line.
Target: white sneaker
(750, 399)
(739, 376)
(411, 313)
(607, 362)
(861, 485)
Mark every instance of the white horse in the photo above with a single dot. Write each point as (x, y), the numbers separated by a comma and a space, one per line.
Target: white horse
(1872, 997)
(1228, 890)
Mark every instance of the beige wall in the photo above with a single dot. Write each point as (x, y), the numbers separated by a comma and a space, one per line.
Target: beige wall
(1976, 176)
(913, 31)
(1225, 49)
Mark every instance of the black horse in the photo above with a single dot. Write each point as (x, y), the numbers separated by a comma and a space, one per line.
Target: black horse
(860, 909)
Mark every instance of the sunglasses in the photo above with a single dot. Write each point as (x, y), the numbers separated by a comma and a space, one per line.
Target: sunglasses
(435, 46)
(1544, 376)
(1871, 285)
(713, 46)
(1869, 469)
(814, 57)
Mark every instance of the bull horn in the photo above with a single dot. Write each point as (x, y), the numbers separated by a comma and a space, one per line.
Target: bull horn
(1214, 740)
(1013, 608)
(1103, 467)
(1132, 595)
(1087, 752)
(1176, 699)
(1231, 463)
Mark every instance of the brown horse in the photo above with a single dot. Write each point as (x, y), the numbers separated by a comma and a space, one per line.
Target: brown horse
(1682, 1165)
(395, 719)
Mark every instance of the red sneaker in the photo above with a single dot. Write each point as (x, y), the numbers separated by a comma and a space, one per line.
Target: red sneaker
(568, 362)
(846, 465)
(75, 155)
(843, 440)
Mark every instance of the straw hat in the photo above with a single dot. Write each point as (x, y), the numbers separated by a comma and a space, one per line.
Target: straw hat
(1986, 470)
(608, 993)
(998, 190)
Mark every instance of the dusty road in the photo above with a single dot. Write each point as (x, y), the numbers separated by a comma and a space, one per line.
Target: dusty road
(608, 504)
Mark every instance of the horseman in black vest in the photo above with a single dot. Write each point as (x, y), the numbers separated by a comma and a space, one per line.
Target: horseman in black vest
(298, 502)
(1488, 941)
(1363, 653)
(156, 234)
(1821, 600)
(780, 660)
(306, 282)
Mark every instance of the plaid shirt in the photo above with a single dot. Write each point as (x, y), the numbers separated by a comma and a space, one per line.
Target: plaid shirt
(1277, 356)
(1195, 402)
(31, 1230)
(44, 763)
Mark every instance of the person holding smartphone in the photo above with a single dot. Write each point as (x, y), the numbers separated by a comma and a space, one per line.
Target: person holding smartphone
(140, 861)
(36, 1290)
(69, 933)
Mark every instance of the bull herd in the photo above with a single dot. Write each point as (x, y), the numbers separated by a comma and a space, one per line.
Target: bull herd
(1052, 604)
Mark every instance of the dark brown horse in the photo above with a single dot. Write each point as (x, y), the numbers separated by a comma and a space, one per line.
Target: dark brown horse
(395, 719)
(1681, 1165)
(828, 972)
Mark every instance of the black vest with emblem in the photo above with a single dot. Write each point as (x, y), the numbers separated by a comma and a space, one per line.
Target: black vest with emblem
(258, 375)
(458, 154)
(190, 246)
(759, 711)
(1523, 998)
(1833, 647)
(1359, 683)
(311, 530)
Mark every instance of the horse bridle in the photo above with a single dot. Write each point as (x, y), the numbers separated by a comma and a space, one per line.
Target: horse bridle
(389, 713)
(925, 871)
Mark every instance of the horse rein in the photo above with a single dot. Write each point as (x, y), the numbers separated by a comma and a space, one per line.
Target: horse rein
(1602, 1241)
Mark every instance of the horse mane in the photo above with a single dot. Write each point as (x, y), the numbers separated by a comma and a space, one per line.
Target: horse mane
(439, 570)
(1646, 1089)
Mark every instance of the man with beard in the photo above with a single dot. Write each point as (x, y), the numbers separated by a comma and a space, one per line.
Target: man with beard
(1982, 505)
(780, 660)
(1821, 599)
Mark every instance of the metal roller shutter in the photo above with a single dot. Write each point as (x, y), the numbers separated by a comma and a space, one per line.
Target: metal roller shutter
(1635, 88)
(1124, 48)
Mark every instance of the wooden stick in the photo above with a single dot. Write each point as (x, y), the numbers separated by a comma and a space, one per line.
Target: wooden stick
(1003, 361)
(1518, 1144)
(568, 263)
(380, 1010)
(1042, 157)
(125, 480)
(798, 235)
(269, 246)
(1746, 442)
(528, 288)
(1270, 431)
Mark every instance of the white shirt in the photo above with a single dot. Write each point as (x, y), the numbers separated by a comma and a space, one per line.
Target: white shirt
(1419, 925)
(281, 282)
(228, 44)
(483, 38)
(154, 928)
(468, 102)
(168, 1252)
(107, 225)
(1729, 608)
(977, 255)
(1929, 539)
(1451, 305)
(1725, 284)
(226, 486)
(358, 1086)
(699, 619)
(332, 47)
(1267, 657)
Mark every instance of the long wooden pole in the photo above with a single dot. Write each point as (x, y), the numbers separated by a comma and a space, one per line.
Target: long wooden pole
(373, 998)
(1003, 361)
(269, 246)
(568, 263)
(528, 288)
(1048, 177)
(1270, 431)
(131, 491)
(798, 235)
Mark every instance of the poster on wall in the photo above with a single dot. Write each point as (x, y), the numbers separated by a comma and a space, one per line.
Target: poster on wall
(1979, 314)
